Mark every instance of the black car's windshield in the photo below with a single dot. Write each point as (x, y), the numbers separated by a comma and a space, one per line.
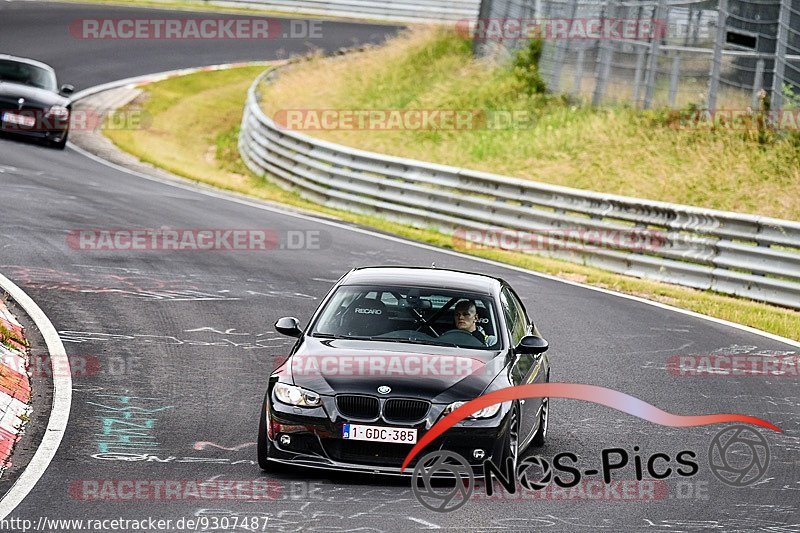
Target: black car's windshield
(413, 315)
(26, 74)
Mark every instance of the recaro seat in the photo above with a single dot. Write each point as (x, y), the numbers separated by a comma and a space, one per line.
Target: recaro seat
(365, 318)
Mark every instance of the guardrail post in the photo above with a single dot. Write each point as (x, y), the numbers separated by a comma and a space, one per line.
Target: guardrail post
(776, 102)
(716, 61)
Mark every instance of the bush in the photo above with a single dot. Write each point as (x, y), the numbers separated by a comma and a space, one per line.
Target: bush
(526, 68)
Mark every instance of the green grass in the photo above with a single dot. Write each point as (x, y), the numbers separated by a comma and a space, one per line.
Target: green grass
(616, 150)
(204, 149)
(7, 337)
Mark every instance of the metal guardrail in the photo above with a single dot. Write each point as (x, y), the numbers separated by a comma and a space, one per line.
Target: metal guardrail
(390, 10)
(745, 255)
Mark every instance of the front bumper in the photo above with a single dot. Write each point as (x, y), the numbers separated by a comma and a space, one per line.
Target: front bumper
(316, 440)
(55, 131)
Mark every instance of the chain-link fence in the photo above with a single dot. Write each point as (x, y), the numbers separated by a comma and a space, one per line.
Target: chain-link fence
(653, 53)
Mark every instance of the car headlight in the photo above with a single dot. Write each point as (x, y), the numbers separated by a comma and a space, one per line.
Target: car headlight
(486, 412)
(58, 111)
(297, 396)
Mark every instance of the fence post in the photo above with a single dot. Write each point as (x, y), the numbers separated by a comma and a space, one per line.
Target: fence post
(776, 102)
(673, 78)
(716, 61)
(577, 84)
(561, 52)
(652, 67)
(758, 83)
(478, 43)
(603, 58)
(637, 77)
(689, 20)
(696, 34)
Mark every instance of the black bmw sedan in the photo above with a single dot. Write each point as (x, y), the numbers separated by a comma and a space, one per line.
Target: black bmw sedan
(389, 352)
(31, 103)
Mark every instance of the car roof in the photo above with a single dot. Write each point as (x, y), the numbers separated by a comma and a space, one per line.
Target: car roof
(423, 277)
(28, 61)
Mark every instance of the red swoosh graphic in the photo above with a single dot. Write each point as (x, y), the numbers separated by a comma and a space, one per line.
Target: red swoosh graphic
(576, 391)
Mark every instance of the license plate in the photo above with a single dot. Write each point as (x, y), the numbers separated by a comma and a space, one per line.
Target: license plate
(379, 434)
(22, 120)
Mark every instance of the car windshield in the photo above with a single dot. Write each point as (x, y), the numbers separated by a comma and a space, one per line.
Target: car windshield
(412, 315)
(26, 74)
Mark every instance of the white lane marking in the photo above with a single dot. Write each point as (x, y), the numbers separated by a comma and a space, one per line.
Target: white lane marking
(62, 401)
(231, 197)
(429, 525)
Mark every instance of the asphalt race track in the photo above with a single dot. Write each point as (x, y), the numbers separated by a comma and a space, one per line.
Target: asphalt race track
(184, 342)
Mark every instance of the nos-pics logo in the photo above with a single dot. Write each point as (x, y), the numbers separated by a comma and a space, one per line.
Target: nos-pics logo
(444, 481)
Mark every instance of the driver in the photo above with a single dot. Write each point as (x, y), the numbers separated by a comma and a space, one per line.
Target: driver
(466, 319)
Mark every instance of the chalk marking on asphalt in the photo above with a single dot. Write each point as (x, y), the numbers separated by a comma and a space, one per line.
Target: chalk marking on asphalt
(430, 525)
(62, 401)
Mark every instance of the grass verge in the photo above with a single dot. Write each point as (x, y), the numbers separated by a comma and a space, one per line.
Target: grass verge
(616, 149)
(193, 133)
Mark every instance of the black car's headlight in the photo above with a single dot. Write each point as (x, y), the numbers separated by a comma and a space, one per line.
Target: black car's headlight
(486, 412)
(297, 396)
(58, 111)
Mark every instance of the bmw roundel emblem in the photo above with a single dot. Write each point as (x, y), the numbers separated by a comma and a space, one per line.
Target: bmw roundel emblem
(383, 389)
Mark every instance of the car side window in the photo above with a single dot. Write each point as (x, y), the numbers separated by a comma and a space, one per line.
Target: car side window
(520, 311)
(515, 318)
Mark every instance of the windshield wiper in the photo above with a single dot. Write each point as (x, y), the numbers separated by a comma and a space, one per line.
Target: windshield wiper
(347, 337)
(386, 339)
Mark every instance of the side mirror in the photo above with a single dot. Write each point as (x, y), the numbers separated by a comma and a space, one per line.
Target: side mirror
(532, 344)
(66, 90)
(289, 326)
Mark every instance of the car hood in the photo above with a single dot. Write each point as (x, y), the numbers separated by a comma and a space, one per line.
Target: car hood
(439, 374)
(11, 92)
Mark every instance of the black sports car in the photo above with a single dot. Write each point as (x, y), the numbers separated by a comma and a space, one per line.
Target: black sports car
(388, 353)
(31, 104)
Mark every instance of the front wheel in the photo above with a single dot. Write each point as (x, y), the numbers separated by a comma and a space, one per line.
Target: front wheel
(541, 432)
(263, 444)
(511, 443)
(59, 145)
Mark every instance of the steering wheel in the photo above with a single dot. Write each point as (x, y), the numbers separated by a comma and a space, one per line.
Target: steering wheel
(421, 322)
(473, 341)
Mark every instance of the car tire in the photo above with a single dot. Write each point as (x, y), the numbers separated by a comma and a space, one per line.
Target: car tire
(511, 441)
(59, 145)
(263, 443)
(541, 432)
